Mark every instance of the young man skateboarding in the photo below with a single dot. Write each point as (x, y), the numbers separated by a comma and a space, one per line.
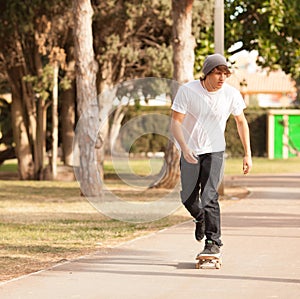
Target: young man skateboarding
(199, 114)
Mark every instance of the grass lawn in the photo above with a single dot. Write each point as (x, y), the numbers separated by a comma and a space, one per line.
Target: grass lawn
(44, 222)
(233, 166)
(264, 166)
(146, 167)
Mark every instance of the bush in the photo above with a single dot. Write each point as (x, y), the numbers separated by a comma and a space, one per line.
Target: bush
(142, 134)
(257, 120)
(151, 142)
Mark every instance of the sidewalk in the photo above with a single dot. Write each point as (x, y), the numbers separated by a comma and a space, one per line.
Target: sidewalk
(261, 236)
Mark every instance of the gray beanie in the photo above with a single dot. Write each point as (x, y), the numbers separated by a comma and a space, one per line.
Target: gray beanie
(212, 61)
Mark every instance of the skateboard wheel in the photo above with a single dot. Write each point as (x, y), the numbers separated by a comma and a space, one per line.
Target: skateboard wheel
(197, 266)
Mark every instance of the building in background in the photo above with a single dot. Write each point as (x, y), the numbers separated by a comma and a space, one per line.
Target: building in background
(260, 87)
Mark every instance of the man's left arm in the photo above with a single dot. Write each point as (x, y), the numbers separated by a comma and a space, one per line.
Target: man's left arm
(243, 130)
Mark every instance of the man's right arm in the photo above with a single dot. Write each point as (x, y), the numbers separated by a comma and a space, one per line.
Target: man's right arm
(176, 129)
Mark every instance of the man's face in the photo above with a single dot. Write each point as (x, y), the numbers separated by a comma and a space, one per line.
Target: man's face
(217, 78)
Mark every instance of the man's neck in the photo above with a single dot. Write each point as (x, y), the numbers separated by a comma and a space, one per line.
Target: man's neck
(207, 86)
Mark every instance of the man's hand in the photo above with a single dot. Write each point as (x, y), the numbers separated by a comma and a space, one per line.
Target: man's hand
(189, 156)
(247, 164)
(176, 122)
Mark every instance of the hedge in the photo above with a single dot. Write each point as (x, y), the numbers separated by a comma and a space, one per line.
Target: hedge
(257, 119)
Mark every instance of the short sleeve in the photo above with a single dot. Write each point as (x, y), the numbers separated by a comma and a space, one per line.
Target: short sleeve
(238, 104)
(180, 103)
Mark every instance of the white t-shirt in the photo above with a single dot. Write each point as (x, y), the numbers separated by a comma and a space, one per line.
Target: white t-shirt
(206, 114)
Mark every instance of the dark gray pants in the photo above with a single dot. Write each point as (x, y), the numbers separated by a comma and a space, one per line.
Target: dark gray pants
(199, 194)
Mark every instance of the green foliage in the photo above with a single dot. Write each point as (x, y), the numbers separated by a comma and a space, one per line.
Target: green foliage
(42, 84)
(258, 128)
(133, 39)
(24, 16)
(271, 27)
(205, 46)
(203, 31)
(150, 142)
(143, 133)
(142, 89)
(257, 120)
(29, 30)
(135, 36)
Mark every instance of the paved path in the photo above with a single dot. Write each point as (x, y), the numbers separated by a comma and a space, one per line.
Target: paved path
(261, 236)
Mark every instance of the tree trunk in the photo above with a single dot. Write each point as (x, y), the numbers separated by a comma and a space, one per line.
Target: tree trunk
(183, 41)
(39, 136)
(105, 101)
(107, 94)
(54, 121)
(116, 125)
(183, 61)
(23, 120)
(29, 114)
(22, 148)
(67, 120)
(40, 145)
(87, 105)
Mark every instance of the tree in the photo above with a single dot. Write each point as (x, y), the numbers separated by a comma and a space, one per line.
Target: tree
(29, 30)
(87, 104)
(139, 45)
(183, 63)
(271, 27)
(57, 57)
(132, 40)
(67, 98)
(183, 41)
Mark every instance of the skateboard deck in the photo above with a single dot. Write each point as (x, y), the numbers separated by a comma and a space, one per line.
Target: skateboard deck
(208, 262)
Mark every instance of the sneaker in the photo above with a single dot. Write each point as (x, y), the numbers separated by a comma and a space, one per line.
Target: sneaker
(200, 229)
(211, 249)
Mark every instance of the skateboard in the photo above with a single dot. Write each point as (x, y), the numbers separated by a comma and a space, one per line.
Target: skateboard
(208, 262)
